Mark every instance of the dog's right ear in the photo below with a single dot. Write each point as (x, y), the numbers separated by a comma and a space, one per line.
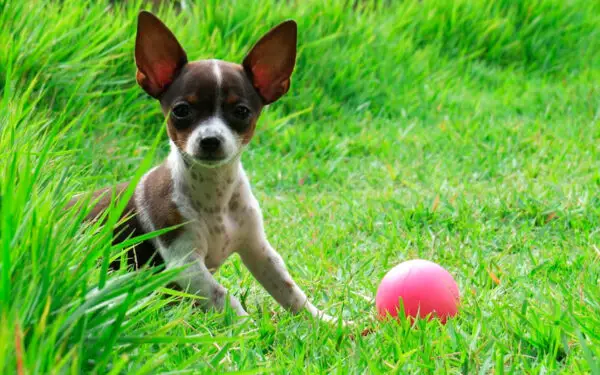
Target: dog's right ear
(158, 55)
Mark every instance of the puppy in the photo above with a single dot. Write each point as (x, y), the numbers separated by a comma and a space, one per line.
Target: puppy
(212, 108)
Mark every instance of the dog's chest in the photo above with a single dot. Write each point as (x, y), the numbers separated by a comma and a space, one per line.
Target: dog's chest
(216, 228)
(218, 209)
(216, 236)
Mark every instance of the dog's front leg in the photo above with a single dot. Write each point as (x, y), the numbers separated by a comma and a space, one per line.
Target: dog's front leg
(197, 279)
(269, 269)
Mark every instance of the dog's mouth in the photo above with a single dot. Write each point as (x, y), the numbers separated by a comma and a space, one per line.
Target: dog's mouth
(211, 159)
(207, 160)
(211, 156)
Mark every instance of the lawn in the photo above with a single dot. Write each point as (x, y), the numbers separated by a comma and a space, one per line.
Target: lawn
(464, 132)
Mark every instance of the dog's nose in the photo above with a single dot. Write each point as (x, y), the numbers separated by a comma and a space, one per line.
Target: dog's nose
(210, 144)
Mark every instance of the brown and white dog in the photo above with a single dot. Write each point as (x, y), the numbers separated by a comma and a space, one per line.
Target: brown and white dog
(211, 108)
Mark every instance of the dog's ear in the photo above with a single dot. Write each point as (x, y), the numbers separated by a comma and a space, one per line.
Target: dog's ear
(270, 63)
(158, 55)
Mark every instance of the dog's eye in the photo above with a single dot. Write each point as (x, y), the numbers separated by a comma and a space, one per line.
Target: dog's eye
(181, 111)
(241, 112)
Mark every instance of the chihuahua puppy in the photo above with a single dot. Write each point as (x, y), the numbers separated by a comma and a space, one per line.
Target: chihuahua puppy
(211, 107)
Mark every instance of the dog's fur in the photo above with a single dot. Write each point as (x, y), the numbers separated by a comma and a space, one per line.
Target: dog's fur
(211, 108)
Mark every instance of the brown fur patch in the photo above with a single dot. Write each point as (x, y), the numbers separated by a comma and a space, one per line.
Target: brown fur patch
(178, 136)
(247, 136)
(232, 99)
(237, 89)
(144, 252)
(158, 192)
(192, 99)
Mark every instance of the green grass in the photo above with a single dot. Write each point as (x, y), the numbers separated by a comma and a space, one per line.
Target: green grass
(466, 132)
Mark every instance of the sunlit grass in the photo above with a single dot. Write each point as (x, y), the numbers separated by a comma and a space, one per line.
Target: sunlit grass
(465, 132)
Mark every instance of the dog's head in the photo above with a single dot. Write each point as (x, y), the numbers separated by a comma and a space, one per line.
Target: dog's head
(212, 106)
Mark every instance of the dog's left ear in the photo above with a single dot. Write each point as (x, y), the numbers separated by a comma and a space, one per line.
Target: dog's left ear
(271, 61)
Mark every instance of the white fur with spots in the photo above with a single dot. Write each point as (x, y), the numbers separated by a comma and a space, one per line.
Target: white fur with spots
(223, 217)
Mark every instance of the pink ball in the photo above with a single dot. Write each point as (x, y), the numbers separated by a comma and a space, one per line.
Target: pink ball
(424, 287)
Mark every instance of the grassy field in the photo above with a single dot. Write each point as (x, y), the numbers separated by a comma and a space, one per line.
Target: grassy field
(465, 132)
